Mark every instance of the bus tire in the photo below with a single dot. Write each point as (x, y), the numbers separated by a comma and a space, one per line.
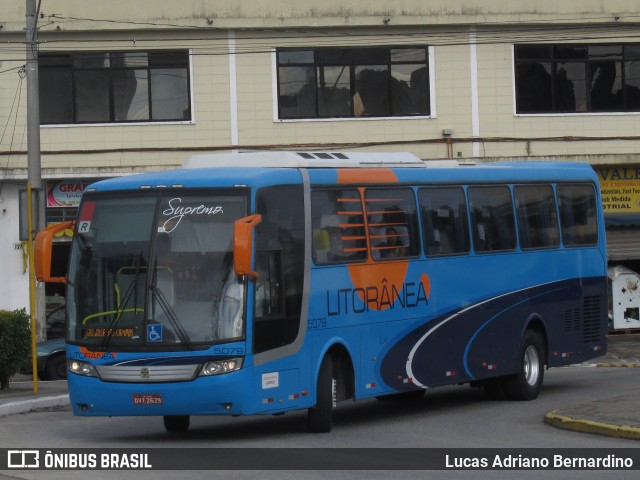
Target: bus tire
(320, 417)
(176, 423)
(527, 383)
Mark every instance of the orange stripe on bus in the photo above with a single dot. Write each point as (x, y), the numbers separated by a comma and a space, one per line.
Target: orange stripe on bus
(366, 175)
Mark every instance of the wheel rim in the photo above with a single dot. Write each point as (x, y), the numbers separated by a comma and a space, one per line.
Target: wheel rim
(531, 365)
(334, 393)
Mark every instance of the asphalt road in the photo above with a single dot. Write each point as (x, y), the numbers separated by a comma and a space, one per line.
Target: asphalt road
(451, 418)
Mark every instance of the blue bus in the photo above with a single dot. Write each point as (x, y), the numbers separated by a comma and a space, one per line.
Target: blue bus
(262, 283)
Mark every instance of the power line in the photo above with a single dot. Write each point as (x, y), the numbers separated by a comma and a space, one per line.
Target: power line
(16, 98)
(222, 50)
(210, 21)
(12, 69)
(55, 16)
(457, 36)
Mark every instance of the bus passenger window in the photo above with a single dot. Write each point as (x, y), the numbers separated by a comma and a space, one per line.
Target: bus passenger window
(492, 219)
(392, 222)
(578, 214)
(397, 242)
(338, 227)
(537, 217)
(444, 216)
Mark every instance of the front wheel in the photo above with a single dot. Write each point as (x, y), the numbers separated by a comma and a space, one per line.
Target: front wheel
(320, 417)
(176, 423)
(527, 383)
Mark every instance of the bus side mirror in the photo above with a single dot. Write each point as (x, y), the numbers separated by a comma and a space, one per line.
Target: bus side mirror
(43, 247)
(243, 245)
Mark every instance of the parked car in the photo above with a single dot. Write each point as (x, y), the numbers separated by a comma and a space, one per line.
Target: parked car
(52, 359)
(51, 353)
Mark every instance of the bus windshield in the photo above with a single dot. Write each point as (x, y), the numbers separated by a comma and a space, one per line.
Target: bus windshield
(155, 271)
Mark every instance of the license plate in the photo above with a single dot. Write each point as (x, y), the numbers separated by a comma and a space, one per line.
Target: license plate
(147, 399)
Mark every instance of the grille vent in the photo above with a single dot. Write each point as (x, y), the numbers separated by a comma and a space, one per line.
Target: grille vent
(572, 320)
(592, 319)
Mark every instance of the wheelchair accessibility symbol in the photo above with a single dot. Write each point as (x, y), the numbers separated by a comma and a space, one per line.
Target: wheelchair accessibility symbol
(154, 333)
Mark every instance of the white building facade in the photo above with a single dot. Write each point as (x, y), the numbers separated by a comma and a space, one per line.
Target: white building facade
(127, 87)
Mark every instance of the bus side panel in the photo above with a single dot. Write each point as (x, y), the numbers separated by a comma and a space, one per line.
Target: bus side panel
(378, 338)
(482, 340)
(363, 317)
(579, 332)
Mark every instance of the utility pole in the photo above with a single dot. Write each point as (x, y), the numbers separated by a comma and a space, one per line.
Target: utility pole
(33, 97)
(34, 179)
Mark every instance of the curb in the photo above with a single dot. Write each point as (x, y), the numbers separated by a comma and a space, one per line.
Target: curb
(25, 406)
(557, 420)
(620, 364)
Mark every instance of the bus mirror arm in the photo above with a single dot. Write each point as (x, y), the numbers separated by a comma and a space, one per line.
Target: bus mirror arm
(243, 245)
(43, 248)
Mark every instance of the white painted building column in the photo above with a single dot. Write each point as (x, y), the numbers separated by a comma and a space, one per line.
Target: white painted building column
(233, 89)
(475, 103)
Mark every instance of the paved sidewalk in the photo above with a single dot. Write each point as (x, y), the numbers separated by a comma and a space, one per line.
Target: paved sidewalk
(617, 416)
(614, 416)
(19, 398)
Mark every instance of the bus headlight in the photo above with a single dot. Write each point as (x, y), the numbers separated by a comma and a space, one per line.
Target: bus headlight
(218, 367)
(81, 368)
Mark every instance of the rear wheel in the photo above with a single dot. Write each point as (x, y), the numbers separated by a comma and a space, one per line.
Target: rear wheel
(176, 423)
(320, 417)
(527, 383)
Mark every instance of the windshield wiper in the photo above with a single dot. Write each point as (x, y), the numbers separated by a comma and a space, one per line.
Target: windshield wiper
(131, 289)
(171, 315)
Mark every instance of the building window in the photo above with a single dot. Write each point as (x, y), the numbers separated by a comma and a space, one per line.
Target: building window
(577, 78)
(114, 87)
(353, 82)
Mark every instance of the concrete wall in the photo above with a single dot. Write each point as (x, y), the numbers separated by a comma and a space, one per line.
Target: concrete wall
(473, 89)
(472, 75)
(14, 283)
(213, 14)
